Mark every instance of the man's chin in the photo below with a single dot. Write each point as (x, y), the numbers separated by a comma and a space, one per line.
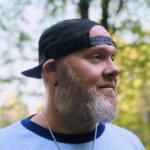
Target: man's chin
(110, 119)
(109, 96)
(104, 110)
(106, 119)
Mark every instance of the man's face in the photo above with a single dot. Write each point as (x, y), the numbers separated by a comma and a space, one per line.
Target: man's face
(87, 81)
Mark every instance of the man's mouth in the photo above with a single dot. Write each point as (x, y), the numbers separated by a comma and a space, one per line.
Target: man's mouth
(107, 87)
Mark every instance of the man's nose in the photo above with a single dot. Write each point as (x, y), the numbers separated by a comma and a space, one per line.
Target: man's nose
(111, 70)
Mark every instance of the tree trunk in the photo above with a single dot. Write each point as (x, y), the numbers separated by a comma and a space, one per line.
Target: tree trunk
(84, 8)
(105, 15)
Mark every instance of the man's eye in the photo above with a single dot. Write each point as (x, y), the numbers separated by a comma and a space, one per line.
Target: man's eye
(98, 57)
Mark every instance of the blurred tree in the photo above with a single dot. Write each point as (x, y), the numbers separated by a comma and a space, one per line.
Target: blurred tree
(134, 84)
(84, 8)
(12, 110)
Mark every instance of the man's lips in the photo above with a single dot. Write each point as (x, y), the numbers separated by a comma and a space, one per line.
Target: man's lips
(107, 87)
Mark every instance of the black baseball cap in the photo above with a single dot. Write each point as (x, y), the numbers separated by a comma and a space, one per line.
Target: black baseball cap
(64, 38)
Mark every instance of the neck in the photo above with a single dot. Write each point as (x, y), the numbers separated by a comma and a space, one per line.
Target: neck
(60, 124)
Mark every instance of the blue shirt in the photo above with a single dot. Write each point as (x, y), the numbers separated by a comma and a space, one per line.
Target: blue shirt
(27, 135)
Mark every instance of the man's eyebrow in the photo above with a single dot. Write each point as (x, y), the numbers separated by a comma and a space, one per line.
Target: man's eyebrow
(102, 50)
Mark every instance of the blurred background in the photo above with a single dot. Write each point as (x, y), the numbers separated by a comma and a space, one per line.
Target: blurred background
(21, 24)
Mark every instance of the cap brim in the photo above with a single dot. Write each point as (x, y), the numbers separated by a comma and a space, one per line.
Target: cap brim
(34, 72)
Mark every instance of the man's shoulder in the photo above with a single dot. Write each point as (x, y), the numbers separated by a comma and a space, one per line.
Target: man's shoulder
(15, 137)
(11, 129)
(123, 135)
(117, 130)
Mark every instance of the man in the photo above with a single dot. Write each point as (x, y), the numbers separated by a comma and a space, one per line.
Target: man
(76, 62)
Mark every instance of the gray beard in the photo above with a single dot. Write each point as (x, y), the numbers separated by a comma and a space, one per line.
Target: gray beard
(76, 103)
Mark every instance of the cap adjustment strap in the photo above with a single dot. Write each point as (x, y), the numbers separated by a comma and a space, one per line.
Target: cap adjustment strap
(102, 41)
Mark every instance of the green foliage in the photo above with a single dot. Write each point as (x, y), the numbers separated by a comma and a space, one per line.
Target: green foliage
(23, 37)
(12, 110)
(133, 89)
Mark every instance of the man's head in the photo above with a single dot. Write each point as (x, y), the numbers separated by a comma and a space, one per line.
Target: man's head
(86, 77)
(64, 38)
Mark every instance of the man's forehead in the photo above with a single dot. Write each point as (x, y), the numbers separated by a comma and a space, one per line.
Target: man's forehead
(98, 31)
(102, 49)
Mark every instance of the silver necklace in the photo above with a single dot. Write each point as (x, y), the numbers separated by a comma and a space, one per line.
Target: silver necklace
(92, 148)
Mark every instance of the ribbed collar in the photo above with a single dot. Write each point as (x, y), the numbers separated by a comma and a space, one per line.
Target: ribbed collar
(64, 138)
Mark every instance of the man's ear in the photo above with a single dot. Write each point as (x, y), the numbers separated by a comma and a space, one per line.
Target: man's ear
(49, 68)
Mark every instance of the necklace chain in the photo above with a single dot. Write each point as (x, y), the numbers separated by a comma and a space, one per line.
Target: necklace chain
(92, 148)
